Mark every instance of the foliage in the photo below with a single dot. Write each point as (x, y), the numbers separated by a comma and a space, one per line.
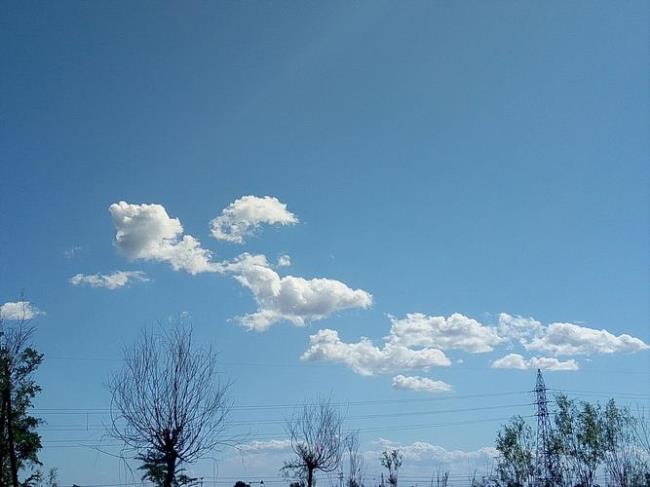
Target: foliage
(515, 467)
(392, 461)
(588, 441)
(20, 443)
(155, 470)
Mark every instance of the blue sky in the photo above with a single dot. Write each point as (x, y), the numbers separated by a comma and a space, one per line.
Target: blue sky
(474, 158)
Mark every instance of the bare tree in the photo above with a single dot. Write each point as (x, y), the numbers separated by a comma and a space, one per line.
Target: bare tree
(641, 430)
(169, 405)
(355, 460)
(392, 460)
(316, 440)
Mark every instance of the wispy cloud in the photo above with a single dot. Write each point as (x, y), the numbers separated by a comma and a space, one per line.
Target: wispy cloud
(111, 281)
(419, 384)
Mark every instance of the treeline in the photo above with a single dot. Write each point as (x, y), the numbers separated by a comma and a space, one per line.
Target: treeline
(170, 408)
(589, 445)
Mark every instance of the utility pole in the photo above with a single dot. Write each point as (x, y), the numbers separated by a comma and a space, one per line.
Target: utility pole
(544, 467)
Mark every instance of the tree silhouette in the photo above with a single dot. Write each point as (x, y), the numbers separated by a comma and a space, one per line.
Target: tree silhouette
(168, 403)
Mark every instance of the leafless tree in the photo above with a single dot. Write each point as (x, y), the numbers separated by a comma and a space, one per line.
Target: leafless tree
(355, 460)
(169, 405)
(641, 430)
(316, 440)
(392, 460)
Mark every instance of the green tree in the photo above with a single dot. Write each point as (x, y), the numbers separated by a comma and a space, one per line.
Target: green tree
(392, 460)
(20, 443)
(515, 444)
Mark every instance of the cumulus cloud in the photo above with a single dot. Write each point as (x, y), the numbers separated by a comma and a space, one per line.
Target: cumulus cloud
(419, 384)
(366, 359)
(517, 361)
(455, 332)
(19, 311)
(113, 280)
(289, 298)
(563, 339)
(242, 217)
(518, 327)
(421, 452)
(571, 339)
(147, 232)
(416, 341)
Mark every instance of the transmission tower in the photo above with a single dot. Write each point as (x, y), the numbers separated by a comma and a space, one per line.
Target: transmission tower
(544, 467)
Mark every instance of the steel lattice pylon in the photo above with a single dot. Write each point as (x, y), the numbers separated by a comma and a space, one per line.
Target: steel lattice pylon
(544, 467)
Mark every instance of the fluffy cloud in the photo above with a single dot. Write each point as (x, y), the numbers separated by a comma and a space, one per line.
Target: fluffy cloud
(456, 332)
(570, 339)
(113, 280)
(518, 327)
(147, 232)
(18, 311)
(289, 298)
(240, 219)
(366, 359)
(516, 361)
(419, 384)
(421, 452)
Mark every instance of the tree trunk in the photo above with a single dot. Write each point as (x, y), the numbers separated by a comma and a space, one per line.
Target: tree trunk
(170, 475)
(13, 461)
(310, 476)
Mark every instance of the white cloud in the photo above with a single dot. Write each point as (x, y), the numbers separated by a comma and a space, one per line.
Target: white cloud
(420, 384)
(242, 217)
(284, 261)
(147, 232)
(455, 332)
(18, 311)
(289, 298)
(571, 339)
(113, 280)
(366, 359)
(421, 452)
(517, 361)
(264, 446)
(518, 327)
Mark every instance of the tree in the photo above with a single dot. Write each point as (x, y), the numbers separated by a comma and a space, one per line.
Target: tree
(577, 437)
(392, 461)
(514, 443)
(169, 405)
(19, 441)
(355, 460)
(316, 440)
